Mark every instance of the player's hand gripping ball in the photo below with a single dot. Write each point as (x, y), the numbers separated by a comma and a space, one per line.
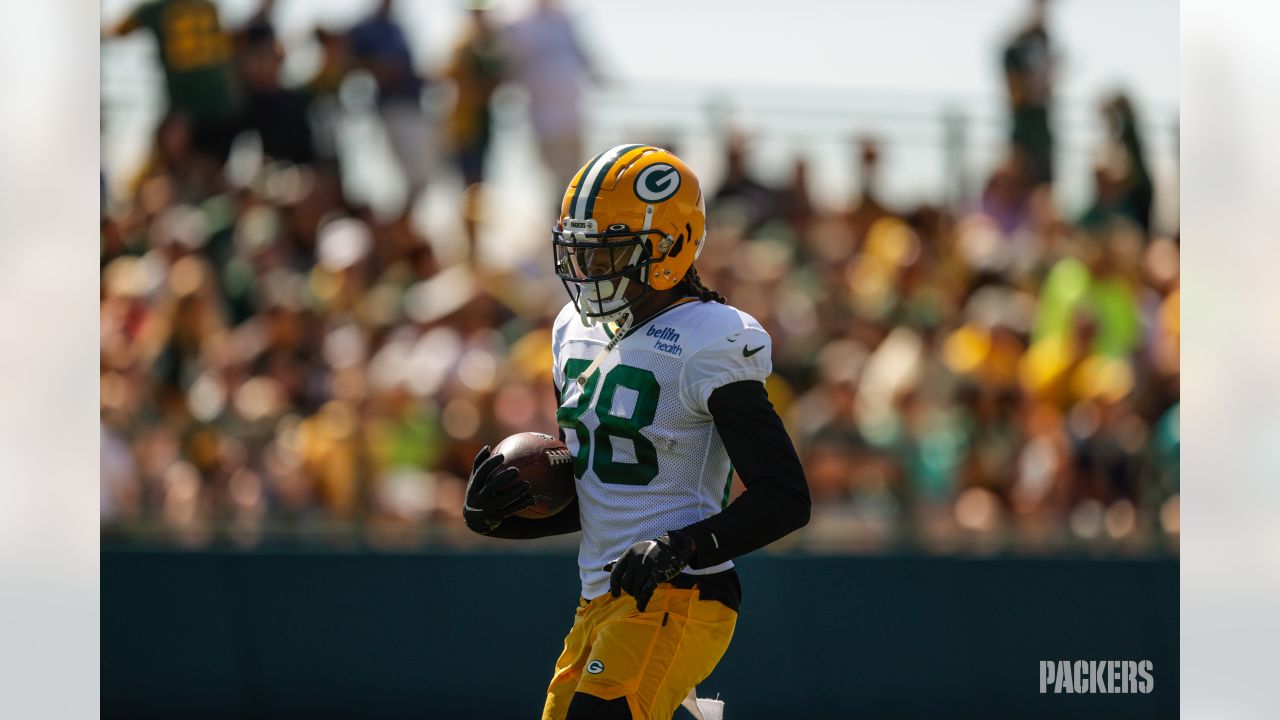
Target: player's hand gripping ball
(529, 475)
(493, 496)
(547, 465)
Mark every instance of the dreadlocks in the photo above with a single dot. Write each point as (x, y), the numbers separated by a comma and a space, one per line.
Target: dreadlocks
(693, 286)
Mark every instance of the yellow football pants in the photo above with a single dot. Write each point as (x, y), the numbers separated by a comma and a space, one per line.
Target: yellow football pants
(652, 658)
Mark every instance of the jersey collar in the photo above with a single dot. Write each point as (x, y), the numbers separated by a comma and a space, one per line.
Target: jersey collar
(611, 328)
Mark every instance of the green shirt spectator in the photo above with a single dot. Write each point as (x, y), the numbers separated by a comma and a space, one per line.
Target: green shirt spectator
(195, 55)
(1071, 289)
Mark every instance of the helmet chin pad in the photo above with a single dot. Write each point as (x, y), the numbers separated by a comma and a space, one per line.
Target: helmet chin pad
(601, 292)
(601, 301)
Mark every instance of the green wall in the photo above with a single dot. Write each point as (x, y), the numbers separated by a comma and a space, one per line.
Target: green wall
(449, 635)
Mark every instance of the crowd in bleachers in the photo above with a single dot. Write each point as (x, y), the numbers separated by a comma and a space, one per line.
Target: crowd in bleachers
(278, 360)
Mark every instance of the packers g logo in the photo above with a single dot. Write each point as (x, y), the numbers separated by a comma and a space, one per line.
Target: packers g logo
(595, 667)
(657, 182)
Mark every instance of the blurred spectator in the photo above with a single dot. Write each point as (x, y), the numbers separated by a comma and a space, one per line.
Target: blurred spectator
(259, 24)
(867, 207)
(378, 46)
(174, 168)
(196, 56)
(741, 200)
(795, 202)
(121, 499)
(1006, 197)
(552, 65)
(478, 66)
(322, 92)
(278, 114)
(1028, 70)
(1122, 181)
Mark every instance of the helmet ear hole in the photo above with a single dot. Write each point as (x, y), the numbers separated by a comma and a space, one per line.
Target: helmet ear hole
(675, 249)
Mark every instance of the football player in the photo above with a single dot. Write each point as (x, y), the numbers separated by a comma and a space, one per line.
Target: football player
(661, 397)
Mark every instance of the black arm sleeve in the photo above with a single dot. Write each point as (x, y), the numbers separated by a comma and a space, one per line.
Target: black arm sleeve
(776, 501)
(564, 522)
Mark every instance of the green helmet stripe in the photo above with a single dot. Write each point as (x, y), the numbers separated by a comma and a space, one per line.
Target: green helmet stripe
(583, 205)
(582, 182)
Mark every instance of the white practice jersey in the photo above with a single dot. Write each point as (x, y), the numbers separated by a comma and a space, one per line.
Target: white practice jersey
(647, 457)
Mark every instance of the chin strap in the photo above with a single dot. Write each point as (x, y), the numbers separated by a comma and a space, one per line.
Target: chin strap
(623, 326)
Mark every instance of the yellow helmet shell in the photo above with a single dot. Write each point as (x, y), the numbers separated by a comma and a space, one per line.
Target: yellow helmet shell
(620, 185)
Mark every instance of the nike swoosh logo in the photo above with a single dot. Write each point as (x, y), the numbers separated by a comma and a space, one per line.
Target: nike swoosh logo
(748, 352)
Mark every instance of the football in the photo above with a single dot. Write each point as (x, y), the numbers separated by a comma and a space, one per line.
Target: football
(548, 466)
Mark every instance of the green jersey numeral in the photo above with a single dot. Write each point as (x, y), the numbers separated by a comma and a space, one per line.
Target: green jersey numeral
(569, 417)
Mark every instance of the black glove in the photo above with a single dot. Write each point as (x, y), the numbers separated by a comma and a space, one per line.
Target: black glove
(646, 564)
(492, 498)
